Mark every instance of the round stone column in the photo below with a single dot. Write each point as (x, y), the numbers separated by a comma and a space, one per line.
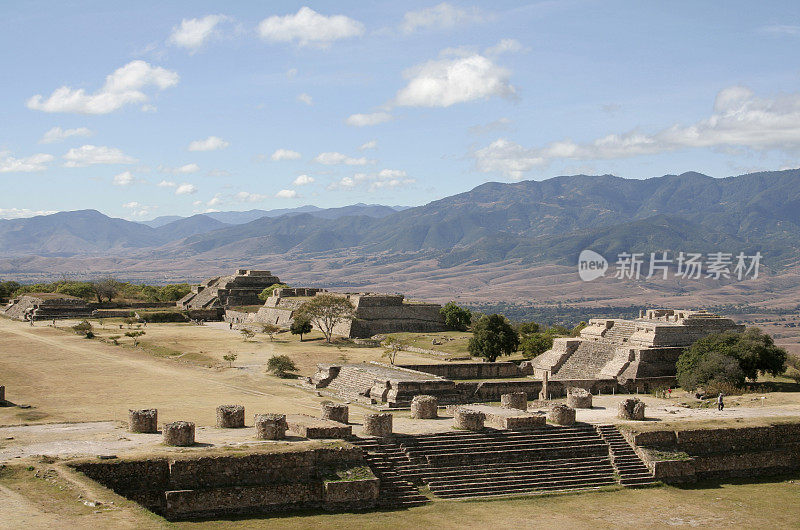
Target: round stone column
(424, 407)
(230, 416)
(179, 433)
(514, 400)
(470, 420)
(379, 425)
(335, 412)
(560, 414)
(270, 426)
(579, 398)
(143, 420)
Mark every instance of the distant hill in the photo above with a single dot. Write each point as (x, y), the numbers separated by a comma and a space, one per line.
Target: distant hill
(235, 218)
(533, 222)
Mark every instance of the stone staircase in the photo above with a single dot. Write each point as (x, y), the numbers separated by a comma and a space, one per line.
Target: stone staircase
(587, 361)
(620, 332)
(630, 468)
(353, 383)
(463, 464)
(384, 458)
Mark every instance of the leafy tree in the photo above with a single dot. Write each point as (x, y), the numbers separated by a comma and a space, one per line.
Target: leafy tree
(558, 331)
(79, 289)
(493, 336)
(8, 288)
(456, 317)
(135, 336)
(301, 326)
(526, 328)
(393, 346)
(730, 357)
(84, 328)
(281, 365)
(270, 329)
(230, 357)
(115, 339)
(247, 334)
(107, 288)
(266, 293)
(576, 331)
(534, 344)
(172, 292)
(325, 311)
(130, 321)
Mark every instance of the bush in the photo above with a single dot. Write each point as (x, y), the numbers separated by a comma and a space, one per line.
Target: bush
(266, 293)
(164, 316)
(83, 328)
(535, 344)
(281, 365)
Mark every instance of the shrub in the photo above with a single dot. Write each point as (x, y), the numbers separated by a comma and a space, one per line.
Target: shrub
(270, 329)
(230, 358)
(266, 293)
(456, 317)
(164, 316)
(82, 328)
(281, 366)
(247, 334)
(135, 336)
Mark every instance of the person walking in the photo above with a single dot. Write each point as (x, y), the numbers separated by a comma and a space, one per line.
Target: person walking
(720, 403)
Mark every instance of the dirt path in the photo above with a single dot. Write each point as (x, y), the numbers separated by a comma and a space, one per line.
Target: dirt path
(18, 512)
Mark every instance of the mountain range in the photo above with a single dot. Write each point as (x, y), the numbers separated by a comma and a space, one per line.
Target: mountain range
(548, 221)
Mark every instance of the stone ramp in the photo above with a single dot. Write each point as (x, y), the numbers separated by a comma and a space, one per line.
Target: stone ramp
(490, 463)
(587, 361)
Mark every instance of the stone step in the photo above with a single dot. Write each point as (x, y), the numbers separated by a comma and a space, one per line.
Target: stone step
(489, 491)
(526, 478)
(512, 467)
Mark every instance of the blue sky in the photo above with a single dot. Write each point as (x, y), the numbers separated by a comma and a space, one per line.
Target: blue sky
(141, 109)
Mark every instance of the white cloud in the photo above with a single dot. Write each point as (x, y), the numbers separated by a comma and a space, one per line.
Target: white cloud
(121, 88)
(303, 180)
(125, 178)
(89, 155)
(739, 120)
(57, 134)
(138, 209)
(504, 46)
(186, 189)
(19, 213)
(307, 27)
(218, 173)
(333, 158)
(372, 144)
(180, 170)
(384, 179)
(781, 29)
(363, 120)
(286, 194)
(244, 196)
(305, 98)
(212, 143)
(444, 16)
(216, 200)
(194, 32)
(500, 124)
(285, 154)
(167, 184)
(37, 162)
(445, 82)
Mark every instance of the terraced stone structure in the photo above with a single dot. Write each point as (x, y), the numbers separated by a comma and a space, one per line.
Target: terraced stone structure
(239, 289)
(642, 350)
(47, 306)
(143, 421)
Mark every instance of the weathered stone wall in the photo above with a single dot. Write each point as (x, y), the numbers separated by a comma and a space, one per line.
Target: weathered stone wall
(47, 306)
(215, 486)
(719, 453)
(468, 370)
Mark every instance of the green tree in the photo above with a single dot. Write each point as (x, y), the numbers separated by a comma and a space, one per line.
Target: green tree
(79, 289)
(393, 346)
(526, 328)
(325, 311)
(558, 331)
(493, 336)
(135, 336)
(7, 289)
(456, 317)
(266, 293)
(270, 329)
(231, 358)
(281, 365)
(173, 292)
(534, 344)
(730, 357)
(247, 334)
(107, 288)
(576, 331)
(83, 328)
(301, 326)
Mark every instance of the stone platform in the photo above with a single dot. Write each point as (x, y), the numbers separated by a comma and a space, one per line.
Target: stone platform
(311, 427)
(503, 418)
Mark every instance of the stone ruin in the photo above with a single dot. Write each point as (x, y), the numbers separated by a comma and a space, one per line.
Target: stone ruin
(560, 414)
(424, 407)
(378, 425)
(47, 306)
(630, 350)
(631, 409)
(270, 426)
(374, 313)
(179, 433)
(579, 398)
(143, 421)
(240, 289)
(230, 417)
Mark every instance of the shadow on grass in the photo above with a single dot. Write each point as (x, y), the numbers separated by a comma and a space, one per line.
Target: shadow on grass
(736, 481)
